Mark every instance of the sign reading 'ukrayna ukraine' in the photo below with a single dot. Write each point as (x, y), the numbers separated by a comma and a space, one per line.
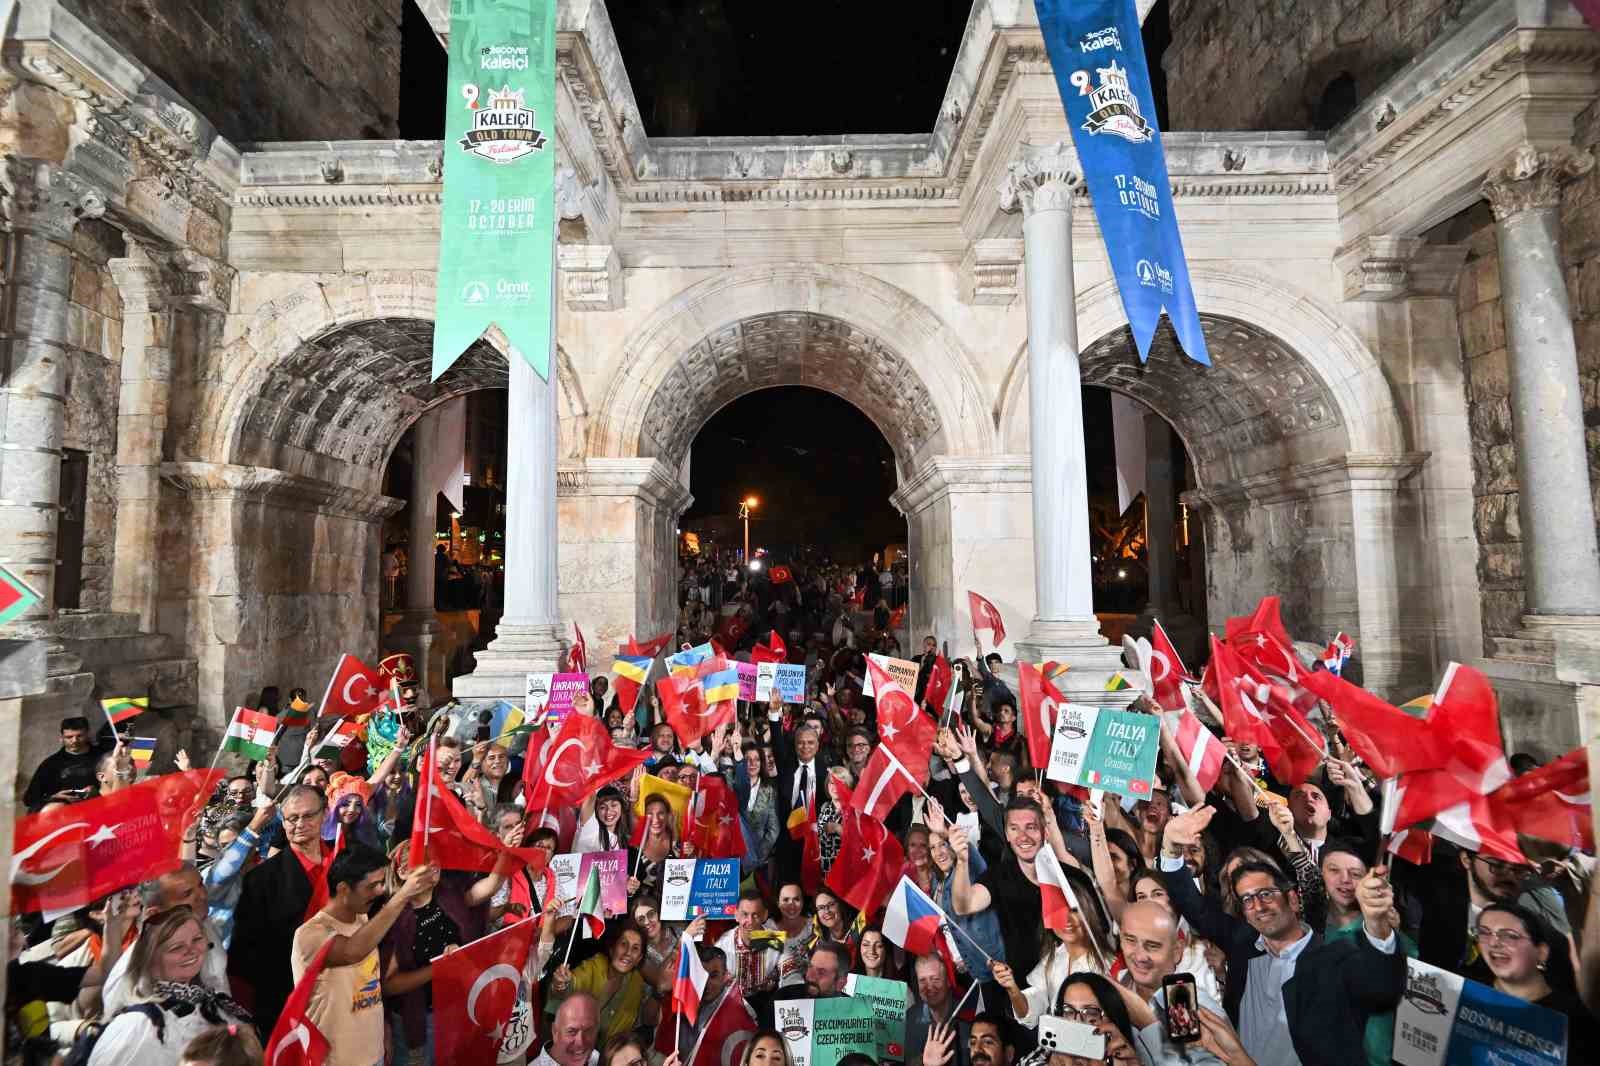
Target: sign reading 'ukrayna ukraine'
(1104, 82)
(497, 228)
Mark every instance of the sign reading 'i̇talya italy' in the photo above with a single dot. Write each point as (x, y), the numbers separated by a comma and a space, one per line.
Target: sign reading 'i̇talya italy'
(497, 226)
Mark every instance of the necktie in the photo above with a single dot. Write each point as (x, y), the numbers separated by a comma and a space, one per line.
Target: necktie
(805, 785)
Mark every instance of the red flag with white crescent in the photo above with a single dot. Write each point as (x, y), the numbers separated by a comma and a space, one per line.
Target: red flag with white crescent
(730, 1029)
(577, 761)
(868, 864)
(296, 1040)
(355, 688)
(883, 781)
(1041, 702)
(445, 833)
(683, 702)
(986, 615)
(714, 820)
(903, 727)
(939, 681)
(773, 651)
(476, 992)
(1167, 672)
(652, 647)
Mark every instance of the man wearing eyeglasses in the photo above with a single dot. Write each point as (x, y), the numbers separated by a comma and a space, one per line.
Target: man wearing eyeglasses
(1296, 998)
(1454, 893)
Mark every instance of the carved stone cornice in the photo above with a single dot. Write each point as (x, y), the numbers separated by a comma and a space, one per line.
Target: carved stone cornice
(46, 200)
(944, 475)
(1045, 178)
(146, 280)
(1385, 267)
(591, 277)
(1339, 474)
(650, 480)
(204, 282)
(991, 272)
(1531, 179)
(225, 481)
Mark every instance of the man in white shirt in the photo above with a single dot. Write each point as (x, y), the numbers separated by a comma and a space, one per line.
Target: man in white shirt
(754, 966)
(573, 1035)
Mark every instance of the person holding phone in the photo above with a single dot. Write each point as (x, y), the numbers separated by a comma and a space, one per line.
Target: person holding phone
(1166, 1005)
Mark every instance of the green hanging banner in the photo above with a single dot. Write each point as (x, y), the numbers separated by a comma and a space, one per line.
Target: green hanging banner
(497, 229)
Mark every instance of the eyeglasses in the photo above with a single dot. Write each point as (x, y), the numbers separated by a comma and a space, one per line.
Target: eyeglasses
(293, 819)
(1086, 1015)
(1259, 897)
(1509, 937)
(829, 906)
(1499, 866)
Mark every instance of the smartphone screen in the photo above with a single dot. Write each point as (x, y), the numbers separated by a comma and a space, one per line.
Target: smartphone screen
(1183, 1005)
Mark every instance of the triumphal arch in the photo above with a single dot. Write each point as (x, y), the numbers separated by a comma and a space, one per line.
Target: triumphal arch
(237, 335)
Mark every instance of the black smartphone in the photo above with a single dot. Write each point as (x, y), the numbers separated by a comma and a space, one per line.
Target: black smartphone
(1183, 1008)
(484, 718)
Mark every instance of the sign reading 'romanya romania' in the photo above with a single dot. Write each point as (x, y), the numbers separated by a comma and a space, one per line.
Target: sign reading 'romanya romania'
(496, 245)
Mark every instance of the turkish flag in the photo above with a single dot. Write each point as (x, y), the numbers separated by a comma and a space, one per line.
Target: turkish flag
(780, 575)
(1388, 739)
(868, 864)
(445, 833)
(1265, 620)
(939, 680)
(714, 820)
(1167, 673)
(683, 701)
(476, 992)
(897, 617)
(904, 729)
(1242, 695)
(732, 630)
(731, 1028)
(773, 651)
(69, 857)
(651, 647)
(296, 1040)
(1040, 704)
(883, 781)
(1551, 803)
(576, 762)
(1303, 745)
(986, 615)
(578, 655)
(355, 688)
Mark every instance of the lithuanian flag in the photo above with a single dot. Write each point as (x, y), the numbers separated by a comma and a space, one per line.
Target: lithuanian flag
(297, 715)
(1117, 683)
(121, 708)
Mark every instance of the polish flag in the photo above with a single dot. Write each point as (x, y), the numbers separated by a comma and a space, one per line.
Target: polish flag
(1167, 672)
(355, 688)
(1203, 753)
(912, 919)
(690, 984)
(1056, 895)
(296, 1040)
(986, 615)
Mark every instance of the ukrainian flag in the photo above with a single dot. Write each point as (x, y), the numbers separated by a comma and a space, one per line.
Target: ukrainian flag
(507, 717)
(687, 663)
(719, 680)
(633, 667)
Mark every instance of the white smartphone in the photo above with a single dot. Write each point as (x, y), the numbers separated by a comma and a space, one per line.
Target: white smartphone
(1059, 1036)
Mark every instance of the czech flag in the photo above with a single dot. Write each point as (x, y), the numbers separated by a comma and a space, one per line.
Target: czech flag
(690, 984)
(912, 919)
(633, 667)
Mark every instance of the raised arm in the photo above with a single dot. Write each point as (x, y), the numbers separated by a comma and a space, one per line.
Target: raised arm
(969, 898)
(350, 950)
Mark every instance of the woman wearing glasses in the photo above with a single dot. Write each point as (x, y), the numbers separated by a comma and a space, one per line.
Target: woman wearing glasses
(1528, 962)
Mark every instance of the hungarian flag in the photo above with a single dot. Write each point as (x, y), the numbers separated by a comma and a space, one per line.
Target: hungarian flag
(476, 990)
(578, 654)
(121, 708)
(1040, 703)
(773, 651)
(868, 864)
(714, 820)
(297, 715)
(336, 741)
(912, 919)
(780, 575)
(445, 833)
(727, 1033)
(939, 681)
(66, 858)
(1167, 672)
(904, 729)
(652, 647)
(296, 1040)
(1203, 753)
(986, 615)
(575, 763)
(1551, 803)
(683, 702)
(250, 733)
(355, 688)
(1055, 894)
(883, 781)
(689, 986)
(591, 913)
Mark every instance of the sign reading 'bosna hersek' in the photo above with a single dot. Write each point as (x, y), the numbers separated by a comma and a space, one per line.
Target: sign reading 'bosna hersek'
(497, 224)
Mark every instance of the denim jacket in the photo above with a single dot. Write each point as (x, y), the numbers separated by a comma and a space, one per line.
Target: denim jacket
(983, 927)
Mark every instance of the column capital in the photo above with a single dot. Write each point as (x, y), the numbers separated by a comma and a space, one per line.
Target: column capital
(1042, 178)
(43, 199)
(1532, 178)
(144, 277)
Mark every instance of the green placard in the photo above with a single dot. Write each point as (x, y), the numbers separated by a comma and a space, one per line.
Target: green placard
(889, 1000)
(1122, 753)
(497, 227)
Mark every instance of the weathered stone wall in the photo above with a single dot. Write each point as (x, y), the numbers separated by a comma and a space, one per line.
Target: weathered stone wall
(94, 330)
(269, 70)
(1266, 65)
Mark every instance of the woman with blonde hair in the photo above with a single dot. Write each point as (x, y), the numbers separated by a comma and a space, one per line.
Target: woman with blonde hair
(170, 1007)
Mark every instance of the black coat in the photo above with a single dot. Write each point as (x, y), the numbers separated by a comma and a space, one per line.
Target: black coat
(1336, 986)
(272, 907)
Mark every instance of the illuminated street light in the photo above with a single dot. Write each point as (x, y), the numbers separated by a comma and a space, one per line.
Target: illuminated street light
(746, 505)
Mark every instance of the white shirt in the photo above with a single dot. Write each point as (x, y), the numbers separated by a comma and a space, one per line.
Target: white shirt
(544, 1058)
(130, 1040)
(118, 991)
(807, 772)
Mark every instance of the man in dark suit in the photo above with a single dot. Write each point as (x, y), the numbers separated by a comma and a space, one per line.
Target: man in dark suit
(1293, 996)
(277, 896)
(802, 772)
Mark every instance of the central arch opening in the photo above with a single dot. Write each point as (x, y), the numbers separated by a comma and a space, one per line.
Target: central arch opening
(806, 476)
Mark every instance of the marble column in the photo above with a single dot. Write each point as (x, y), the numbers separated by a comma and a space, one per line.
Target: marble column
(1041, 184)
(528, 638)
(418, 628)
(1160, 517)
(1561, 559)
(46, 204)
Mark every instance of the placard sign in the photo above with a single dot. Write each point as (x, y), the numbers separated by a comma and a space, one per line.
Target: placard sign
(554, 691)
(1446, 1020)
(747, 681)
(572, 873)
(789, 677)
(820, 1032)
(889, 1000)
(1107, 749)
(1069, 742)
(903, 671)
(692, 887)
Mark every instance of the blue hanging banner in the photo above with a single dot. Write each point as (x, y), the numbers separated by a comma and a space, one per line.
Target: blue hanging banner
(1098, 56)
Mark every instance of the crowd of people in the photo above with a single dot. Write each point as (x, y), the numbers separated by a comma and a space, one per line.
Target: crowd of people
(1251, 923)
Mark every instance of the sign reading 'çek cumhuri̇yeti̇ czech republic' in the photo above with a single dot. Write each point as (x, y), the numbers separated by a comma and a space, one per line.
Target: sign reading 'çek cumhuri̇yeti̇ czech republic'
(497, 228)
(1104, 82)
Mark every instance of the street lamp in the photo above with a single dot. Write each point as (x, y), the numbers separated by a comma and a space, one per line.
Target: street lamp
(746, 505)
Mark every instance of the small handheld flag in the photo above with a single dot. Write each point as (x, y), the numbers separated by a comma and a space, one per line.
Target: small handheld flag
(635, 668)
(250, 733)
(141, 750)
(297, 715)
(339, 739)
(591, 914)
(690, 984)
(121, 708)
(912, 919)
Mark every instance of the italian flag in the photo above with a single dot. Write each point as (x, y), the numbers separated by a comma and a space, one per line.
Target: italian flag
(340, 738)
(250, 733)
(590, 911)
